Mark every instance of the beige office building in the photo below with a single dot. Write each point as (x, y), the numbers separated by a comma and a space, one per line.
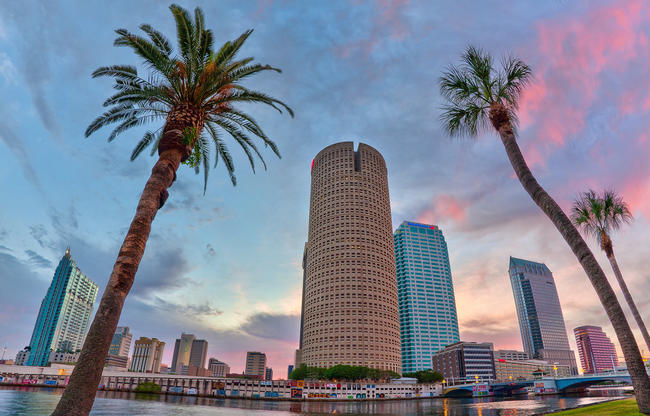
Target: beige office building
(350, 311)
(255, 364)
(147, 355)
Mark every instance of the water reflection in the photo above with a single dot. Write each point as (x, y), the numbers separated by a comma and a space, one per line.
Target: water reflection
(31, 401)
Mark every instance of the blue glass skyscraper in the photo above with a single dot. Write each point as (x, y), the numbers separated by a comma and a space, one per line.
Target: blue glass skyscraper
(539, 313)
(65, 313)
(427, 307)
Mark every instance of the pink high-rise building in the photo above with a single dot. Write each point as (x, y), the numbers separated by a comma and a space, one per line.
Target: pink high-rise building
(597, 353)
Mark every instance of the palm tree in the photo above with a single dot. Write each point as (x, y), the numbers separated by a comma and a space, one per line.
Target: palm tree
(479, 96)
(599, 216)
(195, 93)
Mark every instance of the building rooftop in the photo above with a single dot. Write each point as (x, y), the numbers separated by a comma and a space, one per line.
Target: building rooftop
(515, 262)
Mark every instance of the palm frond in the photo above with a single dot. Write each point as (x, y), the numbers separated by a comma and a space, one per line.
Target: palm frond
(469, 120)
(158, 39)
(146, 140)
(515, 77)
(152, 56)
(127, 72)
(223, 153)
(245, 95)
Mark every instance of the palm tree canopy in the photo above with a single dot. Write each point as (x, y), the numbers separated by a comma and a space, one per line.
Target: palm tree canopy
(473, 86)
(598, 215)
(199, 77)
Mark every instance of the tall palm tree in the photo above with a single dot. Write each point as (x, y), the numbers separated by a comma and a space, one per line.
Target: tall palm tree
(599, 216)
(195, 93)
(479, 96)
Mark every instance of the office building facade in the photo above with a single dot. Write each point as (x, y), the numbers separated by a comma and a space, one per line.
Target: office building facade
(511, 355)
(182, 352)
(218, 368)
(268, 374)
(596, 351)
(147, 355)
(465, 361)
(255, 364)
(198, 353)
(121, 343)
(64, 314)
(427, 307)
(350, 312)
(539, 313)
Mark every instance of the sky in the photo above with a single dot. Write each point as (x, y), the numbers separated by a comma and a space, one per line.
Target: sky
(226, 266)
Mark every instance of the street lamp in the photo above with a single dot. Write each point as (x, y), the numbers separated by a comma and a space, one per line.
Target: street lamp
(476, 377)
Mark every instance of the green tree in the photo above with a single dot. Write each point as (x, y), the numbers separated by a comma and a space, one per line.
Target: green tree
(480, 97)
(426, 376)
(195, 93)
(600, 216)
(148, 387)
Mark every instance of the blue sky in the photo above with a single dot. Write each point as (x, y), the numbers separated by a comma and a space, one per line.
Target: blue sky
(226, 266)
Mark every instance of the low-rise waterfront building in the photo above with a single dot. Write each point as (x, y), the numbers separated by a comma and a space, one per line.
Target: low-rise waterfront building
(218, 368)
(465, 361)
(21, 357)
(117, 361)
(507, 370)
(58, 375)
(511, 355)
(64, 357)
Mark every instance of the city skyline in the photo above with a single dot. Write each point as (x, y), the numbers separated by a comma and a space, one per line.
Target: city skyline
(228, 267)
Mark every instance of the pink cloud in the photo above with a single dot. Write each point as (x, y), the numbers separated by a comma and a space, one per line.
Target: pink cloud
(574, 56)
(388, 22)
(442, 207)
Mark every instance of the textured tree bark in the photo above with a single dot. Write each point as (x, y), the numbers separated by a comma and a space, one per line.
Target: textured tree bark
(628, 297)
(636, 368)
(79, 395)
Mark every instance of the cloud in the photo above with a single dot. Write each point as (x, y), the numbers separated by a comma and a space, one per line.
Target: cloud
(37, 260)
(588, 61)
(188, 309)
(273, 326)
(38, 232)
(442, 206)
(34, 48)
(7, 68)
(19, 306)
(17, 147)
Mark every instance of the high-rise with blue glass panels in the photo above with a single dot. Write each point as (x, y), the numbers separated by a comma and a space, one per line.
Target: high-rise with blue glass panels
(539, 313)
(427, 307)
(65, 313)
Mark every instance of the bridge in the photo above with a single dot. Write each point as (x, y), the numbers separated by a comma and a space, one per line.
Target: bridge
(547, 385)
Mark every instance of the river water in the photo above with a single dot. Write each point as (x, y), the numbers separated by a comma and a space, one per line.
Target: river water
(31, 401)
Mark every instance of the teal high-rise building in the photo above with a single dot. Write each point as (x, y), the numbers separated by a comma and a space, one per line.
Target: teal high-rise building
(65, 313)
(427, 307)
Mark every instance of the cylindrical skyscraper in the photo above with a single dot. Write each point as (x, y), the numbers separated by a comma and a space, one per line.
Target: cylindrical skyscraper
(350, 311)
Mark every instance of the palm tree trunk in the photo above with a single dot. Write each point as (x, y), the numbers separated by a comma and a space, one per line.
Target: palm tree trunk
(607, 297)
(628, 297)
(79, 395)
